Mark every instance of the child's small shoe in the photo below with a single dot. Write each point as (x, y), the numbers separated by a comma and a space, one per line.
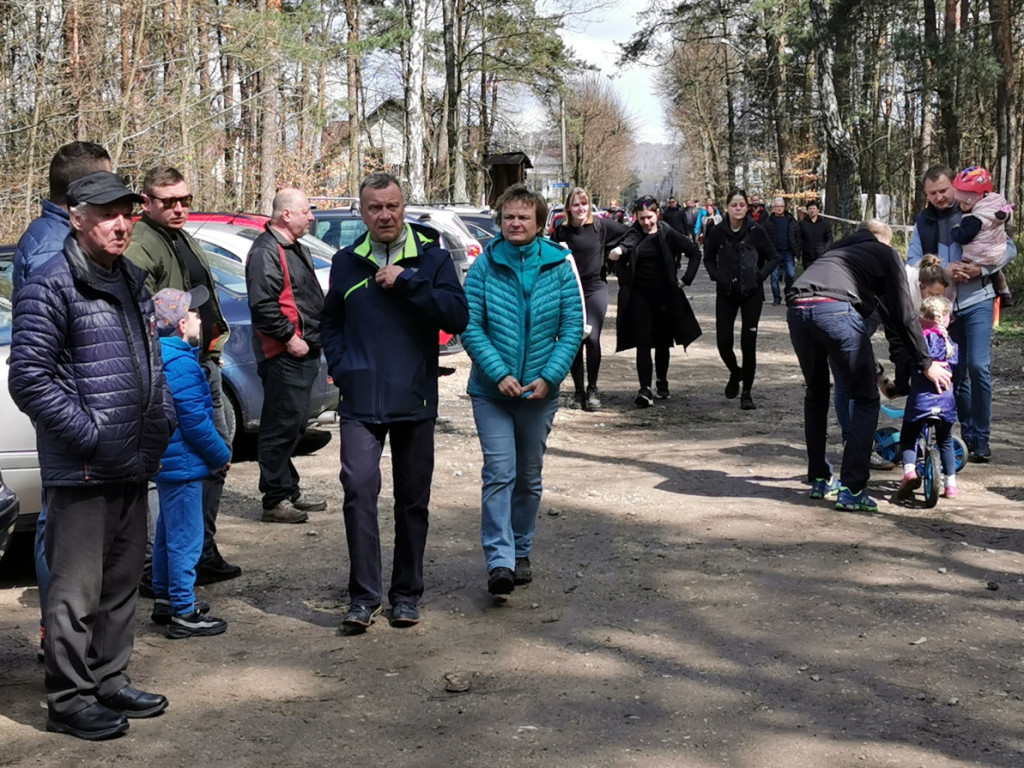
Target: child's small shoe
(911, 482)
(950, 492)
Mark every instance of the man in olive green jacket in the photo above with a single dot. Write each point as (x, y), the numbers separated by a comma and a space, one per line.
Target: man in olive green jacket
(173, 259)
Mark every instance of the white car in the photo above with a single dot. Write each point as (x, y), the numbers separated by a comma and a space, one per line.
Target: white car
(19, 462)
(449, 223)
(233, 242)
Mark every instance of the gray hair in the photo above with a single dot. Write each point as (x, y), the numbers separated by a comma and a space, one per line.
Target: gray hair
(378, 181)
(881, 230)
(283, 201)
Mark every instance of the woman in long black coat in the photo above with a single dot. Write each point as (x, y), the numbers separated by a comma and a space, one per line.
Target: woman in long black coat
(653, 311)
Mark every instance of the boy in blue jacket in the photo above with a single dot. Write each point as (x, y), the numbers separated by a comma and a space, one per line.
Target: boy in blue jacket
(195, 450)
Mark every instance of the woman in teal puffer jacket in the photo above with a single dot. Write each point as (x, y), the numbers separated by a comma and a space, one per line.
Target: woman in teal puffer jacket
(525, 327)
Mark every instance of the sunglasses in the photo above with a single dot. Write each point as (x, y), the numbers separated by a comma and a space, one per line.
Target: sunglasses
(169, 202)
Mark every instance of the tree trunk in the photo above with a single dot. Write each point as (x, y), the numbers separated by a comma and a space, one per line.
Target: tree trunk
(269, 118)
(775, 48)
(414, 105)
(842, 163)
(1002, 43)
(352, 67)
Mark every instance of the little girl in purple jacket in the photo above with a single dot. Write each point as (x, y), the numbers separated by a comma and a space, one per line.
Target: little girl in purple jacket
(924, 402)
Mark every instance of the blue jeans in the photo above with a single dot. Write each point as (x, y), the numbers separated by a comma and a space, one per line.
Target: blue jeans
(178, 542)
(513, 437)
(832, 334)
(971, 329)
(787, 265)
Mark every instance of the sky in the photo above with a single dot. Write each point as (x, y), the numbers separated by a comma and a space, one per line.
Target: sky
(594, 39)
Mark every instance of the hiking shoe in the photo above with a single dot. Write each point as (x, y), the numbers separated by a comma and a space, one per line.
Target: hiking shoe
(194, 624)
(162, 610)
(359, 617)
(747, 402)
(215, 568)
(848, 501)
(404, 615)
(663, 393)
(501, 581)
(305, 503)
(825, 488)
(644, 398)
(879, 462)
(593, 401)
(950, 492)
(523, 573)
(578, 401)
(910, 483)
(284, 512)
(732, 387)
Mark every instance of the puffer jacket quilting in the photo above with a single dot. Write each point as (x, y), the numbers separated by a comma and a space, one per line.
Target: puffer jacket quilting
(75, 374)
(196, 447)
(508, 335)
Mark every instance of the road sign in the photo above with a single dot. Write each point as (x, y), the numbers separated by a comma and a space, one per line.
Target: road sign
(560, 185)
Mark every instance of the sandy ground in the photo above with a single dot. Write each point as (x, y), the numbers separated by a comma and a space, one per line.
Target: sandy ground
(691, 607)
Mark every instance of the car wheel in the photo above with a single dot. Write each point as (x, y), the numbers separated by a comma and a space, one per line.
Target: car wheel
(230, 416)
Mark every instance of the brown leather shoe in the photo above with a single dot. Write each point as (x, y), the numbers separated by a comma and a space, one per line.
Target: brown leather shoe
(284, 512)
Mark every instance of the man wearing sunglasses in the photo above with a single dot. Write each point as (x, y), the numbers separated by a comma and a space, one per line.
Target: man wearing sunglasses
(172, 259)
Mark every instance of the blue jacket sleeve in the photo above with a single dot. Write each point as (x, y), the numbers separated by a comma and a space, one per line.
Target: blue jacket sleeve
(194, 406)
(914, 250)
(570, 328)
(474, 339)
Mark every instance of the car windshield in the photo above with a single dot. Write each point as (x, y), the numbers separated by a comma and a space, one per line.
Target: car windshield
(321, 252)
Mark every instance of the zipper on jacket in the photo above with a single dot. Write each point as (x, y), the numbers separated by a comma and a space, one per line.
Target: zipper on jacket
(526, 324)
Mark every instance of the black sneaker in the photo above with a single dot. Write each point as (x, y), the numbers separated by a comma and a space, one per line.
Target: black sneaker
(501, 581)
(593, 401)
(747, 402)
(162, 610)
(663, 393)
(523, 573)
(577, 402)
(644, 398)
(194, 624)
(146, 582)
(732, 388)
(213, 569)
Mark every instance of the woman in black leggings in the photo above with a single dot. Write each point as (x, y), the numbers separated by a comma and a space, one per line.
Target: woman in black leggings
(738, 256)
(590, 239)
(653, 310)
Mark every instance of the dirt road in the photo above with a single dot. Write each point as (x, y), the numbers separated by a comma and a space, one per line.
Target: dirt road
(691, 607)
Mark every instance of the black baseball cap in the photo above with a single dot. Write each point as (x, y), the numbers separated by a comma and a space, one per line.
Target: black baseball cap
(99, 188)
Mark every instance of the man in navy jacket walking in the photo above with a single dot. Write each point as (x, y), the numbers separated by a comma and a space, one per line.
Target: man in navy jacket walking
(391, 292)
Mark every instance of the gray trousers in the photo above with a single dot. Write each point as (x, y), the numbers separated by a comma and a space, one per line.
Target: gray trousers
(95, 545)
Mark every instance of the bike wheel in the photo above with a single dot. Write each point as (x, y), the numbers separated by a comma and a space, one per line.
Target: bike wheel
(959, 453)
(887, 443)
(932, 477)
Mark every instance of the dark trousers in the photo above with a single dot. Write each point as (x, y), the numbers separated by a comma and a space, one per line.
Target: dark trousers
(595, 296)
(95, 544)
(412, 464)
(727, 306)
(834, 333)
(287, 382)
(652, 323)
(213, 484)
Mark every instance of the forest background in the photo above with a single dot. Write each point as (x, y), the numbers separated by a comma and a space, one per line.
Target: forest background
(843, 97)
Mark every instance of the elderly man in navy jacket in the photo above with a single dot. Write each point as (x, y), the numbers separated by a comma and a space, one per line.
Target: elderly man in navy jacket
(86, 368)
(390, 294)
